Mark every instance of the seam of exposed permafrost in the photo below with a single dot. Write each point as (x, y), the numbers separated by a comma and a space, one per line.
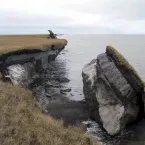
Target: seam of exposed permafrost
(3, 57)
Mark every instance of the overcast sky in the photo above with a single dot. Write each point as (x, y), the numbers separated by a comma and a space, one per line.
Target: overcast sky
(72, 16)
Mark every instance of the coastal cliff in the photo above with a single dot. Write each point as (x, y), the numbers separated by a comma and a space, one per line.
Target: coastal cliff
(23, 66)
(23, 61)
(113, 91)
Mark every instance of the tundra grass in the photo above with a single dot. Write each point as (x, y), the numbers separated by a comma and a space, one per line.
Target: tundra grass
(22, 123)
(11, 43)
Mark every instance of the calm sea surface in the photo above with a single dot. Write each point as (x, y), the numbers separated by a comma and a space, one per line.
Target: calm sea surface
(80, 50)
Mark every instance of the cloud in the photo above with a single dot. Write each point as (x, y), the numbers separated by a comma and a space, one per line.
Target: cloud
(74, 16)
(123, 9)
(19, 18)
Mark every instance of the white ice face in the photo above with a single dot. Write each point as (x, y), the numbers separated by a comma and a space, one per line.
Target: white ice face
(16, 73)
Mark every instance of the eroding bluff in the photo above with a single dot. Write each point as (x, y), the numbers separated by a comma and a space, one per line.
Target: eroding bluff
(25, 67)
(113, 91)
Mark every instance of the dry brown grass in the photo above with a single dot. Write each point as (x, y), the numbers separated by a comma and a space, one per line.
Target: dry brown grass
(119, 58)
(22, 123)
(12, 43)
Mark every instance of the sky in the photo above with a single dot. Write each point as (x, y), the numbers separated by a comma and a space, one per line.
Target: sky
(72, 16)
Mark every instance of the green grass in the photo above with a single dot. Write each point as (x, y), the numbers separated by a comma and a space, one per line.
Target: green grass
(132, 76)
(22, 123)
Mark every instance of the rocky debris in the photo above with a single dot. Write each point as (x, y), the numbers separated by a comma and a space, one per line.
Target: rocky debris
(63, 80)
(111, 98)
(65, 90)
(40, 95)
(48, 95)
(52, 83)
(52, 91)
